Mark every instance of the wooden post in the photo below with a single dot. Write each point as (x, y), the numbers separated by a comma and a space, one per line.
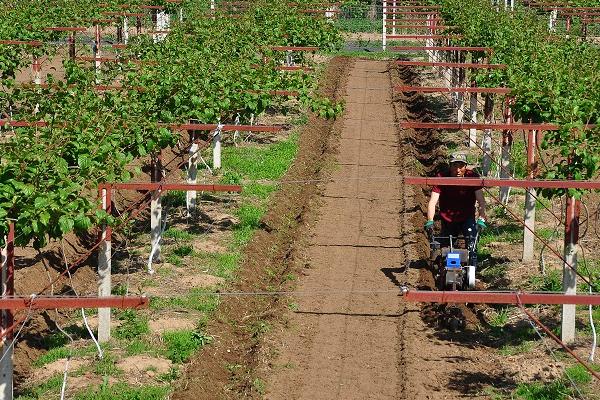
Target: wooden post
(104, 267)
(6, 316)
(216, 142)
(530, 193)
(488, 115)
(71, 41)
(569, 274)
(192, 175)
(383, 30)
(156, 210)
(138, 25)
(507, 141)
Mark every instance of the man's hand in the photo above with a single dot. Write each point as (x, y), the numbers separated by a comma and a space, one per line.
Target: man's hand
(481, 223)
(428, 225)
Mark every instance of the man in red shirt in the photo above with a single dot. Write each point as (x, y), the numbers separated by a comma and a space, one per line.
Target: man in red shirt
(457, 203)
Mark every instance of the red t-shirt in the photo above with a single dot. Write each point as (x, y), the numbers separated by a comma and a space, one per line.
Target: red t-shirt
(457, 203)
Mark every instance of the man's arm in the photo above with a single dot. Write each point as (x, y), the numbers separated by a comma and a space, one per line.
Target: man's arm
(433, 200)
(481, 202)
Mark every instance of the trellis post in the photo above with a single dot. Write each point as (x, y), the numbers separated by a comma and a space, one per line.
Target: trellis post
(488, 115)
(6, 316)
(156, 210)
(570, 267)
(192, 173)
(104, 266)
(530, 195)
(383, 30)
(216, 142)
(473, 117)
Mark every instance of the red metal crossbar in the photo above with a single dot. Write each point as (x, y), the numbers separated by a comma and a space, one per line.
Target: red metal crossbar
(22, 42)
(175, 186)
(424, 37)
(417, 27)
(210, 127)
(493, 182)
(147, 7)
(66, 29)
(423, 89)
(469, 125)
(412, 13)
(499, 297)
(21, 124)
(293, 68)
(294, 48)
(44, 302)
(442, 48)
(276, 92)
(413, 20)
(451, 64)
(414, 7)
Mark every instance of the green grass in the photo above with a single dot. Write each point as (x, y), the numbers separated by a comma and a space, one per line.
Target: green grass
(359, 25)
(505, 233)
(46, 390)
(180, 345)
(257, 190)
(550, 282)
(555, 390)
(177, 234)
(196, 299)
(133, 325)
(520, 348)
(222, 265)
(137, 346)
(123, 391)
(182, 251)
(257, 163)
(499, 317)
(107, 365)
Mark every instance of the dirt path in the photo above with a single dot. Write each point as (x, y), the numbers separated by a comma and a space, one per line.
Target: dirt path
(368, 343)
(329, 353)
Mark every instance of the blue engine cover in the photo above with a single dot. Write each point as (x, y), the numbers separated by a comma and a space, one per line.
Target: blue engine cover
(453, 261)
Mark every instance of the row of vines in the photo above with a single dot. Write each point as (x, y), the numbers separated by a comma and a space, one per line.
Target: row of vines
(210, 68)
(554, 78)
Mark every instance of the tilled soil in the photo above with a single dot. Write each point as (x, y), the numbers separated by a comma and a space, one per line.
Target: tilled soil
(351, 336)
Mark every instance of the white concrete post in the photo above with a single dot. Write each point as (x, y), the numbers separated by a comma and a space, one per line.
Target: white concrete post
(552, 21)
(216, 142)
(155, 224)
(394, 17)
(212, 8)
(383, 30)
(104, 270)
(162, 24)
(97, 53)
(529, 220)
(181, 15)
(530, 199)
(488, 115)
(6, 352)
(125, 29)
(37, 71)
(569, 274)
(192, 178)
(473, 119)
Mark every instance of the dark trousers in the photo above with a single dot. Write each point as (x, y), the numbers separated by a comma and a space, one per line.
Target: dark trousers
(466, 228)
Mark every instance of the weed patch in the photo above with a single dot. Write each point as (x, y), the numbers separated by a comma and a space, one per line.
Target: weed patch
(122, 391)
(180, 345)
